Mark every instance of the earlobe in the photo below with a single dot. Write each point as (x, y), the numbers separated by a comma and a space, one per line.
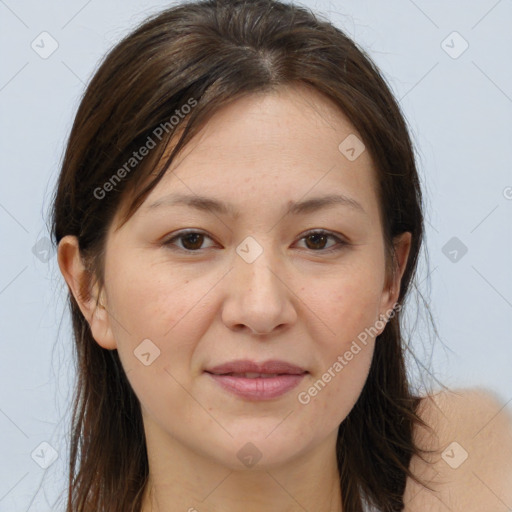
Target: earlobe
(78, 279)
(101, 328)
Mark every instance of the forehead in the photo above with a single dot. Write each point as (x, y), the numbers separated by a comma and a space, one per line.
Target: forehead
(293, 119)
(274, 147)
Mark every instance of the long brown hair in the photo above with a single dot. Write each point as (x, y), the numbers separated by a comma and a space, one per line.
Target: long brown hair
(206, 54)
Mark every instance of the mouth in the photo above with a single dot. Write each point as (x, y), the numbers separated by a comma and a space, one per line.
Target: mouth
(257, 381)
(249, 375)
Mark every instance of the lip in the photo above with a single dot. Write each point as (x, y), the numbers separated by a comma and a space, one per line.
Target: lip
(247, 366)
(258, 388)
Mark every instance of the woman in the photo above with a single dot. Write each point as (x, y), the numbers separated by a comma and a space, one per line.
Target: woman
(238, 219)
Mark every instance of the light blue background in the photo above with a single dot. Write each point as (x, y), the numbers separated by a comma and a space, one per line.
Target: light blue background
(460, 114)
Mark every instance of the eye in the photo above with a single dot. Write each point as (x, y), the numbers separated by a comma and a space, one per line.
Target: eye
(319, 237)
(192, 240)
(315, 241)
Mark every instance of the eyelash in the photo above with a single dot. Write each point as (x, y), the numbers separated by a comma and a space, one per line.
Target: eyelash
(340, 243)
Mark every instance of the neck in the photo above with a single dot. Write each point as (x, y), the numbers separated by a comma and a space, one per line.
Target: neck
(181, 479)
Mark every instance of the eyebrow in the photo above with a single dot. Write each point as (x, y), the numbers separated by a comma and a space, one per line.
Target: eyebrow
(209, 204)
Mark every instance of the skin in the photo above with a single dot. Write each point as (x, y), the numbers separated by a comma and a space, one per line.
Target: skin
(295, 302)
(481, 425)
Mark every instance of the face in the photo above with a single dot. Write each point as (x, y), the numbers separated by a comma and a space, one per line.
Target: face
(189, 288)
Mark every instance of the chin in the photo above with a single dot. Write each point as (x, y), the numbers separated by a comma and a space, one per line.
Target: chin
(261, 451)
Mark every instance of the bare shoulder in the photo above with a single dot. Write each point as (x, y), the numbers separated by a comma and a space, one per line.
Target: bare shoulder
(469, 466)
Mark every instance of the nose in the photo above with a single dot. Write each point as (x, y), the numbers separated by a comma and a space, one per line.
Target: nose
(259, 296)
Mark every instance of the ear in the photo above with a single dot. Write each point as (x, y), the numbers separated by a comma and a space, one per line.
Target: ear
(402, 247)
(78, 279)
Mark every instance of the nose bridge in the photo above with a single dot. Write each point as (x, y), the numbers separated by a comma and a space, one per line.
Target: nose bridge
(257, 266)
(258, 297)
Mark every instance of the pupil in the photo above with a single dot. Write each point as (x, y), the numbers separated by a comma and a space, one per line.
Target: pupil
(316, 237)
(195, 236)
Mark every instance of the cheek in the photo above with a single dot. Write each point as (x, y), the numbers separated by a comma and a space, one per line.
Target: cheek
(333, 390)
(344, 343)
(347, 304)
(162, 308)
(152, 300)
(154, 304)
